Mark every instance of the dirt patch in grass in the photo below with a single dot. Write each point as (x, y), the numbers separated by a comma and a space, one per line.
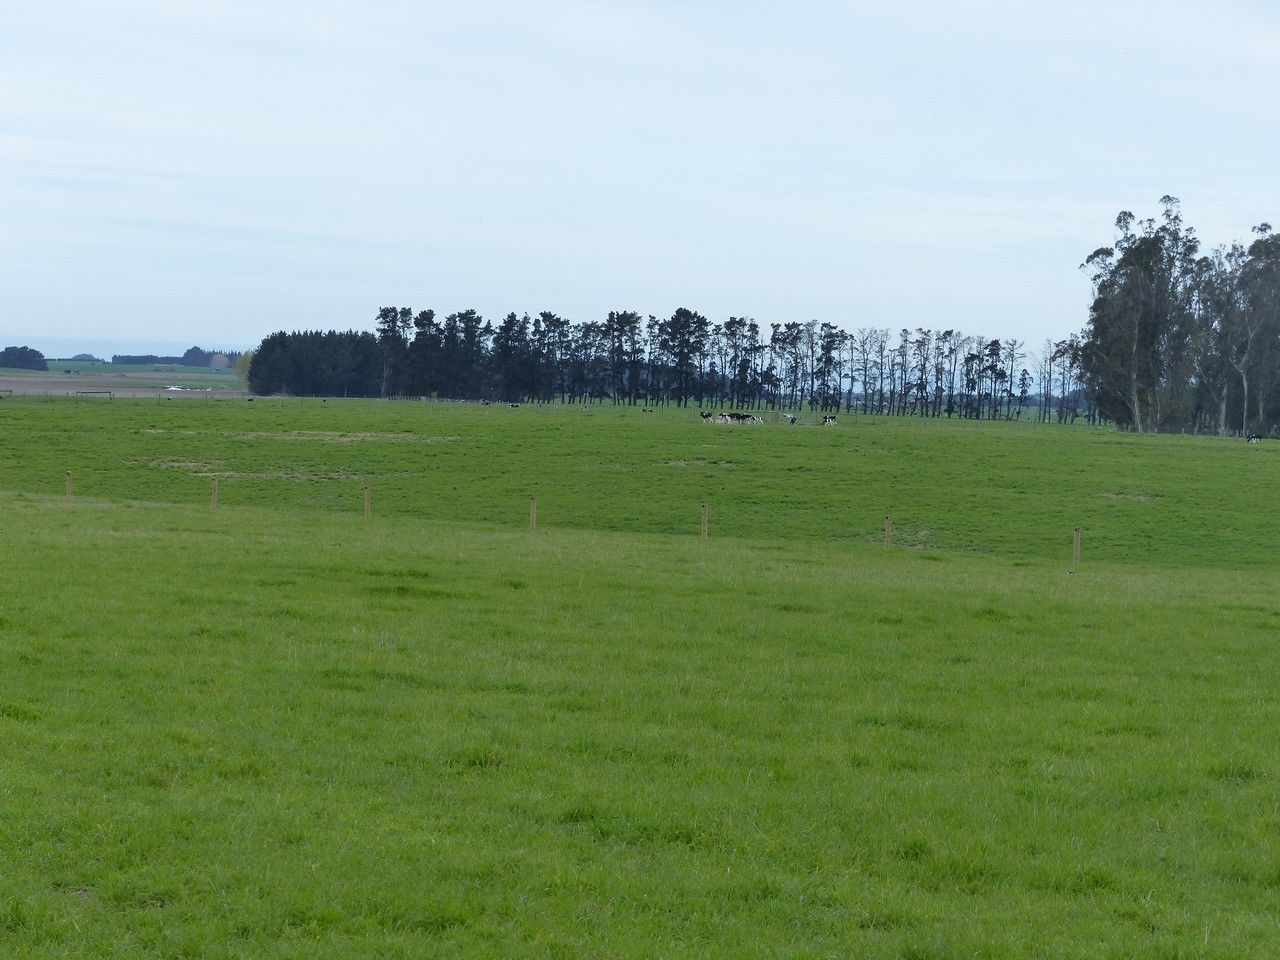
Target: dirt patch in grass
(188, 466)
(315, 436)
(328, 436)
(308, 476)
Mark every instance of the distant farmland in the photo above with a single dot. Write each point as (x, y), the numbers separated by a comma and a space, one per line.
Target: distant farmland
(280, 729)
(67, 377)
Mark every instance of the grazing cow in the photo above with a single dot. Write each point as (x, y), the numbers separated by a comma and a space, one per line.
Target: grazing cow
(705, 414)
(828, 421)
(1253, 438)
(484, 403)
(790, 418)
(514, 405)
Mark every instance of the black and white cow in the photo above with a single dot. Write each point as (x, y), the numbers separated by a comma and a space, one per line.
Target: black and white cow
(1253, 438)
(790, 418)
(828, 421)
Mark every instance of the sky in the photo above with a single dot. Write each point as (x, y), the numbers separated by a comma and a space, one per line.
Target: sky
(175, 173)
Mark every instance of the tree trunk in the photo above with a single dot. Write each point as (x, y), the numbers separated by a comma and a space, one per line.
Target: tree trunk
(1244, 405)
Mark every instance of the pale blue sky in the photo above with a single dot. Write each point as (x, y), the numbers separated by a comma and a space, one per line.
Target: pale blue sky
(173, 172)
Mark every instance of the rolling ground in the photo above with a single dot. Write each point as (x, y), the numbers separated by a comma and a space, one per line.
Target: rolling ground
(281, 730)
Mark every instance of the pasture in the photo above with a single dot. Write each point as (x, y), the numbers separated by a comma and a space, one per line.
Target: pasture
(281, 730)
(65, 377)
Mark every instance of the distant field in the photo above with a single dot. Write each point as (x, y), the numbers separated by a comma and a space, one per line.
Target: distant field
(68, 376)
(88, 366)
(280, 730)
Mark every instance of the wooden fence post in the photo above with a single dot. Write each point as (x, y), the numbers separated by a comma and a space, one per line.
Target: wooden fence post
(888, 531)
(533, 513)
(1075, 547)
(705, 511)
(368, 504)
(213, 495)
(68, 486)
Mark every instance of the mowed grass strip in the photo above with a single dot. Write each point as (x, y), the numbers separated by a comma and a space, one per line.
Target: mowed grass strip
(1012, 490)
(293, 734)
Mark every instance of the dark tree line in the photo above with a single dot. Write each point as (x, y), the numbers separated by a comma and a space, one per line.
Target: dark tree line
(317, 364)
(23, 358)
(1179, 339)
(193, 357)
(684, 359)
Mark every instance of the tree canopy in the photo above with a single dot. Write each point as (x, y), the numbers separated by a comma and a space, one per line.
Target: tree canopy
(1178, 339)
(23, 358)
(682, 359)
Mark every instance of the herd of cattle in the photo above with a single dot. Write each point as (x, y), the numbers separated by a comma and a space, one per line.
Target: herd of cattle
(710, 417)
(828, 420)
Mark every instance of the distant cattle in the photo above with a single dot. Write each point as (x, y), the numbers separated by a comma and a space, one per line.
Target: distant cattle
(706, 414)
(828, 421)
(514, 405)
(790, 418)
(1253, 438)
(734, 417)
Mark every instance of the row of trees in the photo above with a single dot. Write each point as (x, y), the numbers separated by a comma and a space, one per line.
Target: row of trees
(193, 357)
(23, 358)
(1179, 339)
(682, 359)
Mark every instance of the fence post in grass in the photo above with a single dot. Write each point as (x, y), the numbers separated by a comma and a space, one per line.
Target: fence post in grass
(1075, 547)
(533, 513)
(68, 486)
(704, 521)
(368, 504)
(888, 531)
(213, 495)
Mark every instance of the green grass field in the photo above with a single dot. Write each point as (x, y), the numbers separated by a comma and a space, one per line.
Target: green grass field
(280, 730)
